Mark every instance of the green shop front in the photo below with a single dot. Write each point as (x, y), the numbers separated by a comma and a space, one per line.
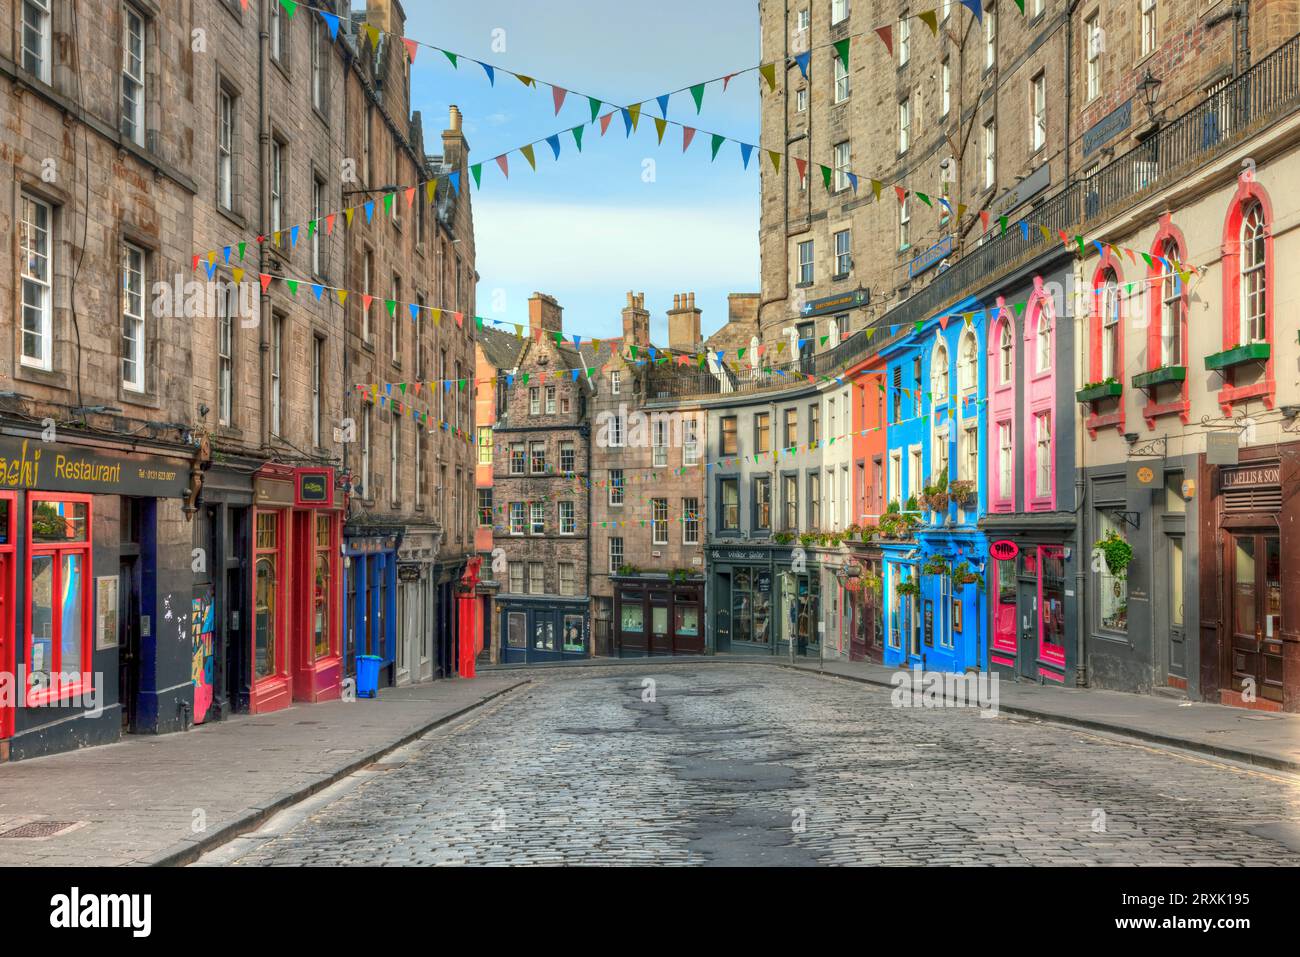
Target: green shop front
(760, 597)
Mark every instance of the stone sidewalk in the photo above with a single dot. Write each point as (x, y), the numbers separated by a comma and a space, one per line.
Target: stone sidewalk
(1265, 739)
(137, 801)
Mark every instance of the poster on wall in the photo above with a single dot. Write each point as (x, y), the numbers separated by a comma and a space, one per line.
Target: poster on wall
(202, 629)
(105, 612)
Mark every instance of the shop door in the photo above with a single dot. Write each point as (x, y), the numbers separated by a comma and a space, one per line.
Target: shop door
(661, 642)
(1255, 565)
(1027, 619)
(722, 622)
(128, 640)
(6, 640)
(1177, 628)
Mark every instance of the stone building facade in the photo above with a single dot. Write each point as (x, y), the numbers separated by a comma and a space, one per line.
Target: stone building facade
(540, 475)
(212, 414)
(648, 489)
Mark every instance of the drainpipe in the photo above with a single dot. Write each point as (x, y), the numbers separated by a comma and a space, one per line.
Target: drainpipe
(1239, 14)
(263, 152)
(1083, 561)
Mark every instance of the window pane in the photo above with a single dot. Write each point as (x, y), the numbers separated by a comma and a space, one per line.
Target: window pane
(71, 604)
(264, 634)
(59, 521)
(42, 616)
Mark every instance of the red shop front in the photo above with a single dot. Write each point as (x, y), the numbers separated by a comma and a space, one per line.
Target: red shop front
(296, 644)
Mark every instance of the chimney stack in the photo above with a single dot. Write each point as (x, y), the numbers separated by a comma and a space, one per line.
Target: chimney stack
(453, 122)
(544, 313)
(636, 321)
(683, 323)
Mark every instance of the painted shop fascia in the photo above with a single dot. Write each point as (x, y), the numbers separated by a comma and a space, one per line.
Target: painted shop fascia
(95, 574)
(1034, 584)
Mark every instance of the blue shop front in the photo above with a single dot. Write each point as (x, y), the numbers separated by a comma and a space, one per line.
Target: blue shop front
(370, 599)
(933, 553)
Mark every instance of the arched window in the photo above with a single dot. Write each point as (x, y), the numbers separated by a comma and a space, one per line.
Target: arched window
(1110, 325)
(1171, 308)
(1043, 337)
(939, 373)
(1006, 349)
(966, 362)
(1253, 275)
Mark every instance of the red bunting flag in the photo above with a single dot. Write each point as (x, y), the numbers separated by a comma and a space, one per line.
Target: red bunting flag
(366, 300)
(727, 79)
(902, 194)
(984, 218)
(329, 224)
(604, 123)
(802, 166)
(196, 264)
(504, 164)
(410, 196)
(266, 281)
(886, 35)
(688, 134)
(410, 48)
(558, 93)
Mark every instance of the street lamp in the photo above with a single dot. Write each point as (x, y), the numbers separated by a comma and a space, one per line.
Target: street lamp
(1149, 88)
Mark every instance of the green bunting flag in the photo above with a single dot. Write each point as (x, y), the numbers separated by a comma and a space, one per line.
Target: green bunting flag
(826, 175)
(697, 93)
(477, 172)
(1020, 4)
(717, 144)
(290, 7)
(595, 107)
(392, 307)
(923, 198)
(577, 136)
(388, 203)
(293, 286)
(452, 57)
(842, 49)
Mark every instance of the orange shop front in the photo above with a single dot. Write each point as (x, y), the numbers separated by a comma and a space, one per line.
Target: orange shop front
(296, 648)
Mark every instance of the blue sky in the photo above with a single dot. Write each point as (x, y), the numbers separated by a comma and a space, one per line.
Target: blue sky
(589, 228)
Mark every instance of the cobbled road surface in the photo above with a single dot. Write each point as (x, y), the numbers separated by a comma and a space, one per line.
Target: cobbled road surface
(735, 764)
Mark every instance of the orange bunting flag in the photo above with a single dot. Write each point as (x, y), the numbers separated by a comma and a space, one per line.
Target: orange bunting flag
(886, 35)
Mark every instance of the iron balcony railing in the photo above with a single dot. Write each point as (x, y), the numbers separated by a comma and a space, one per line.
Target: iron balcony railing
(1238, 109)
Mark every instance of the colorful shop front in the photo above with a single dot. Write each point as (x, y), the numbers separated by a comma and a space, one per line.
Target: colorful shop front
(658, 614)
(370, 596)
(95, 596)
(762, 597)
(934, 555)
(296, 627)
(542, 628)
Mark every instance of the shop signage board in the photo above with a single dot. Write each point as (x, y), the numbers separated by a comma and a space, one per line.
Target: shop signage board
(1004, 551)
(1222, 448)
(408, 573)
(272, 493)
(31, 464)
(1145, 474)
(1251, 476)
(314, 488)
(836, 303)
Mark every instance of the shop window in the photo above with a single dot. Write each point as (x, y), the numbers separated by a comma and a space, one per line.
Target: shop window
(1051, 603)
(686, 620)
(1112, 591)
(573, 640)
(58, 651)
(516, 630)
(323, 638)
(632, 614)
(266, 604)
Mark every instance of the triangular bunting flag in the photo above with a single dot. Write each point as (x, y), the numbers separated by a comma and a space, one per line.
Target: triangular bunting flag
(718, 140)
(697, 94)
(528, 155)
(886, 35)
(553, 141)
(842, 51)
(660, 126)
(504, 164)
(768, 70)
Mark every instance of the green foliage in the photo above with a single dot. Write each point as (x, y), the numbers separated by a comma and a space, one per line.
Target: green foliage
(1118, 552)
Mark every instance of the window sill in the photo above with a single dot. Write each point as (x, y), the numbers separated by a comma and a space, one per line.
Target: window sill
(62, 692)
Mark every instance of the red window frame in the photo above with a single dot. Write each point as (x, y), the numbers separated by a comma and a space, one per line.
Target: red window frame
(1248, 193)
(281, 637)
(330, 551)
(8, 587)
(1097, 341)
(1182, 405)
(60, 692)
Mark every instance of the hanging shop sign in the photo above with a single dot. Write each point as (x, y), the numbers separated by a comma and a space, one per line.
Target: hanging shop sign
(408, 572)
(313, 488)
(1222, 448)
(1145, 474)
(1004, 550)
(55, 467)
(930, 258)
(272, 493)
(1108, 127)
(847, 300)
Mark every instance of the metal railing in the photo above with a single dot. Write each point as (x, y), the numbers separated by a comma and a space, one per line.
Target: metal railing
(1269, 88)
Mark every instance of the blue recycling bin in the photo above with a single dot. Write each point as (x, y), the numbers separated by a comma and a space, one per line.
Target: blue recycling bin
(368, 676)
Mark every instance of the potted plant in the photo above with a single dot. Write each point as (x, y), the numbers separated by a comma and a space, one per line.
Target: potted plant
(1117, 552)
(868, 532)
(909, 587)
(892, 508)
(1107, 388)
(808, 539)
(962, 575)
(890, 525)
(912, 504)
(783, 538)
(935, 565)
(963, 491)
(936, 495)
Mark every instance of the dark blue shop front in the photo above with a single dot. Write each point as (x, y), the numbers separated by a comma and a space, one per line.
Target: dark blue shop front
(370, 602)
(542, 629)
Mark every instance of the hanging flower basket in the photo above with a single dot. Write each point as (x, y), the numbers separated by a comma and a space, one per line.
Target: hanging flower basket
(1117, 551)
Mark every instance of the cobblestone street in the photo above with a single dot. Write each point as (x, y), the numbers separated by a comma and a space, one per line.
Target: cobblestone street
(744, 764)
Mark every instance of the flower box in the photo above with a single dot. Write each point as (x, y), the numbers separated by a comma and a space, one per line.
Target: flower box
(1098, 391)
(1250, 352)
(1161, 376)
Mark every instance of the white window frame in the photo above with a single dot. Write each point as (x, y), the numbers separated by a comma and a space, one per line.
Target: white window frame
(990, 153)
(1092, 66)
(617, 492)
(36, 245)
(690, 442)
(990, 38)
(37, 22)
(659, 442)
(1006, 462)
(1148, 27)
(1038, 112)
(615, 554)
(946, 87)
(904, 39)
(276, 173)
(904, 124)
(317, 210)
(1110, 326)
(659, 521)
(225, 356)
(277, 371)
(1254, 277)
(839, 11)
(368, 410)
(1042, 454)
(690, 521)
(905, 222)
(317, 371)
(518, 519)
(843, 252)
(394, 457)
(226, 118)
(1171, 310)
(135, 53)
(615, 381)
(807, 263)
(537, 518)
(568, 518)
(841, 81)
(843, 164)
(134, 348)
